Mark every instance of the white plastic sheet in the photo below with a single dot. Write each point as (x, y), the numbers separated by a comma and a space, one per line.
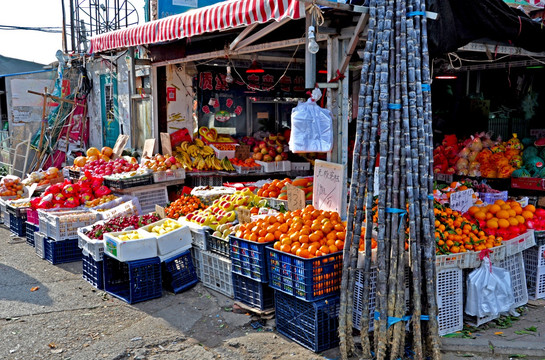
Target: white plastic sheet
(489, 291)
(311, 128)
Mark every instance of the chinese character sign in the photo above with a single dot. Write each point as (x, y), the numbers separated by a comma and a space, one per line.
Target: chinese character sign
(329, 186)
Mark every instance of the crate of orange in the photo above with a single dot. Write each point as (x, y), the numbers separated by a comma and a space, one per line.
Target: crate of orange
(248, 256)
(306, 261)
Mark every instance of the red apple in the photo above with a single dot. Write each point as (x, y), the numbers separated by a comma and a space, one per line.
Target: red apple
(262, 145)
(267, 158)
(272, 153)
(264, 151)
(278, 158)
(256, 149)
(279, 149)
(258, 156)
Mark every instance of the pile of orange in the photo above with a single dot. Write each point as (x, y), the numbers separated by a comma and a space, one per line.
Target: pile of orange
(307, 233)
(11, 186)
(183, 206)
(248, 163)
(502, 214)
(278, 188)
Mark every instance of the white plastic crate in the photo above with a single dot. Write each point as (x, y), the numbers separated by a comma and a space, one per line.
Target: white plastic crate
(154, 195)
(497, 254)
(129, 250)
(198, 234)
(125, 205)
(535, 274)
(216, 273)
(459, 260)
(63, 225)
(358, 296)
(268, 167)
(39, 247)
(161, 176)
(171, 241)
(220, 154)
(515, 265)
(519, 243)
(449, 286)
(300, 166)
(283, 165)
(94, 247)
(537, 253)
(196, 255)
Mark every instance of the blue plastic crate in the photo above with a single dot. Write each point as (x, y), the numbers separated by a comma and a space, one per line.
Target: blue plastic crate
(249, 258)
(179, 273)
(92, 271)
(17, 225)
(30, 229)
(307, 279)
(313, 325)
(133, 281)
(253, 293)
(60, 252)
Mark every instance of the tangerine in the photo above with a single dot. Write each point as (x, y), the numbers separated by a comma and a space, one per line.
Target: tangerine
(492, 224)
(503, 223)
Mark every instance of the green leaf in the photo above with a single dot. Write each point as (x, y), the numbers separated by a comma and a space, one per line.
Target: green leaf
(531, 328)
(523, 332)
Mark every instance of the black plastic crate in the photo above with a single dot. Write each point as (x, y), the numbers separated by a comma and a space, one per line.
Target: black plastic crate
(133, 281)
(217, 245)
(179, 273)
(17, 225)
(30, 229)
(253, 293)
(74, 174)
(92, 271)
(313, 325)
(19, 212)
(126, 183)
(60, 252)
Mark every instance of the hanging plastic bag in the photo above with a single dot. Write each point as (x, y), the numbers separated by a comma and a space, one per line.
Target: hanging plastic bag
(311, 128)
(489, 291)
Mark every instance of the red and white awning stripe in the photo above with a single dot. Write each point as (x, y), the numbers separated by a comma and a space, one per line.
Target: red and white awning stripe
(221, 16)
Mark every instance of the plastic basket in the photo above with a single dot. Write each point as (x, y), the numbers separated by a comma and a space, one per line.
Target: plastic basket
(282, 166)
(94, 247)
(220, 154)
(539, 237)
(313, 325)
(150, 197)
(39, 244)
(248, 170)
(179, 273)
(161, 176)
(519, 243)
(17, 225)
(249, 258)
(497, 254)
(129, 182)
(449, 287)
(300, 166)
(133, 281)
(92, 270)
(216, 273)
(515, 265)
(32, 216)
(62, 225)
(60, 252)
(15, 210)
(196, 256)
(307, 279)
(252, 293)
(30, 230)
(74, 174)
(198, 236)
(535, 274)
(217, 245)
(490, 198)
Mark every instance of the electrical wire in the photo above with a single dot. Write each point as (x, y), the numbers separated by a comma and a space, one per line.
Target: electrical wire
(54, 30)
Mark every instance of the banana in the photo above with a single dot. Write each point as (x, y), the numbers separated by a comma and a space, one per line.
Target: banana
(208, 150)
(201, 164)
(198, 142)
(217, 164)
(184, 145)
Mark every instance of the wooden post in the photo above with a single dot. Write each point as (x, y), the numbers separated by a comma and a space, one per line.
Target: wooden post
(44, 120)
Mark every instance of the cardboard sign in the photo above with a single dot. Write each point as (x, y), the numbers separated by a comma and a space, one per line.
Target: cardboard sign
(328, 191)
(119, 146)
(242, 152)
(160, 211)
(165, 144)
(448, 178)
(461, 200)
(243, 214)
(296, 198)
(149, 146)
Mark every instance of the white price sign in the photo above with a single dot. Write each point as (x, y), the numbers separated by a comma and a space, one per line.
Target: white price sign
(461, 200)
(328, 191)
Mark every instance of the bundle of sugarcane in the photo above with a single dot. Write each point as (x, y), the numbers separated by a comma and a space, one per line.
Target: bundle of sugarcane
(393, 124)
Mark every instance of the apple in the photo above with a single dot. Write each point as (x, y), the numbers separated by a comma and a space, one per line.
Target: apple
(267, 158)
(262, 145)
(264, 151)
(256, 149)
(280, 149)
(272, 152)
(278, 158)
(284, 155)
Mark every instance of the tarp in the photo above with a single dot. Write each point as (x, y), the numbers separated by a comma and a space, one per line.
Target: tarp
(221, 16)
(11, 66)
(463, 21)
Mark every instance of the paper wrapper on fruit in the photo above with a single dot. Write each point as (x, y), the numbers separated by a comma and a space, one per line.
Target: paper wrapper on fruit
(514, 143)
(476, 144)
(505, 171)
(462, 164)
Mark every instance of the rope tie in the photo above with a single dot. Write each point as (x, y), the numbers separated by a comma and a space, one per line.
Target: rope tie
(317, 13)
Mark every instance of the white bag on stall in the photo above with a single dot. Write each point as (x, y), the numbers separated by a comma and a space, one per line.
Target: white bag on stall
(311, 128)
(489, 291)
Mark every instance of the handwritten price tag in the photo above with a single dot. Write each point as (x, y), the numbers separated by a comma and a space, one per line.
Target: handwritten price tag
(244, 215)
(160, 211)
(296, 198)
(328, 187)
(461, 200)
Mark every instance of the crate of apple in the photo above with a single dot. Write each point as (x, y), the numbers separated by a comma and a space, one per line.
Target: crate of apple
(117, 166)
(266, 152)
(161, 163)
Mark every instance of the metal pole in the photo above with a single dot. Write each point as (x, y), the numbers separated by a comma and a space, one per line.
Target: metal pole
(310, 59)
(73, 31)
(63, 27)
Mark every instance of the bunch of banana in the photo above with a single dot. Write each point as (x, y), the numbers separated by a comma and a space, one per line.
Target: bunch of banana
(199, 156)
(226, 164)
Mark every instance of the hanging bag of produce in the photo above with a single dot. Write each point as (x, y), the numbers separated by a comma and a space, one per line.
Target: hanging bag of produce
(489, 290)
(311, 128)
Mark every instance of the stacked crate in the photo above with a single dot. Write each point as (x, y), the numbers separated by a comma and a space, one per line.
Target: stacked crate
(534, 264)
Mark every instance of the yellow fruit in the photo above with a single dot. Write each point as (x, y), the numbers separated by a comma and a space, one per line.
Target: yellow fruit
(513, 221)
(93, 151)
(502, 214)
(503, 223)
(494, 208)
(492, 224)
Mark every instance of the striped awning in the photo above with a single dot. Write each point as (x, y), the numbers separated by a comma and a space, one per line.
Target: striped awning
(221, 16)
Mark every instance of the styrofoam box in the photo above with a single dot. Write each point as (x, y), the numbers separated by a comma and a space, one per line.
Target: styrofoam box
(283, 165)
(130, 250)
(174, 253)
(267, 166)
(171, 241)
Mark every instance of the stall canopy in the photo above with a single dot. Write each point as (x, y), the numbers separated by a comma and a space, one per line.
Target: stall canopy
(221, 16)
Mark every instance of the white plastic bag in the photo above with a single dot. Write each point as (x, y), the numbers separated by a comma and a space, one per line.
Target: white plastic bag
(311, 128)
(489, 291)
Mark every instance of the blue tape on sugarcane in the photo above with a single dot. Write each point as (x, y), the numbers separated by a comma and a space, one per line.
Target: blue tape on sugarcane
(426, 87)
(430, 197)
(416, 13)
(394, 320)
(397, 211)
(394, 106)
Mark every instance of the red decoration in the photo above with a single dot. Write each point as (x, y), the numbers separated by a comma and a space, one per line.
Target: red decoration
(221, 84)
(206, 109)
(171, 93)
(205, 82)
(229, 102)
(285, 83)
(299, 83)
(238, 110)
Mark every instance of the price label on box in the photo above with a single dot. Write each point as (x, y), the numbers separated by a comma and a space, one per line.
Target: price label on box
(244, 215)
(461, 200)
(296, 198)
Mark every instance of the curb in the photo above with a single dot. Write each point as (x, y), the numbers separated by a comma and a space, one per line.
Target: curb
(492, 347)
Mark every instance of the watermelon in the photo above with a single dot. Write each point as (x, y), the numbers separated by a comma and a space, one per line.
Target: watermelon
(540, 142)
(542, 153)
(529, 152)
(534, 164)
(520, 173)
(527, 141)
(541, 173)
